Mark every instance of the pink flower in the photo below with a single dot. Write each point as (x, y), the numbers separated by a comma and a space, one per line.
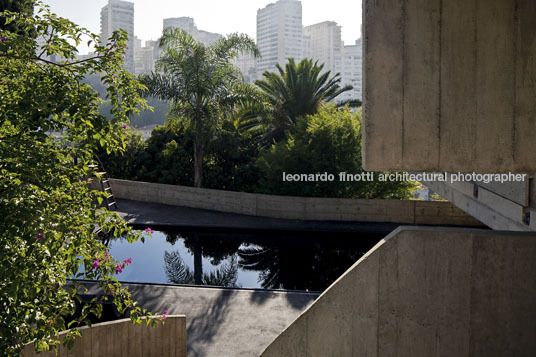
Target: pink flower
(124, 126)
(127, 261)
(118, 269)
(148, 230)
(39, 236)
(106, 255)
(96, 264)
(123, 56)
(164, 314)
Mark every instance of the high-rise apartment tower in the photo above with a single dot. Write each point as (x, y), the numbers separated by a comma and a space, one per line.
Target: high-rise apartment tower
(279, 34)
(118, 14)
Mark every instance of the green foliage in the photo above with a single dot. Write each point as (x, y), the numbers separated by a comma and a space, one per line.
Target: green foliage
(201, 83)
(50, 217)
(166, 157)
(291, 93)
(230, 160)
(129, 160)
(24, 8)
(329, 141)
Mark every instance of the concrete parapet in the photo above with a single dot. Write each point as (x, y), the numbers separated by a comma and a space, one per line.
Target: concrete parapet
(301, 208)
(426, 292)
(123, 338)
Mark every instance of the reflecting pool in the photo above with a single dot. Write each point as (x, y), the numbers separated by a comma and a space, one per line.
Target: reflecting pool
(249, 259)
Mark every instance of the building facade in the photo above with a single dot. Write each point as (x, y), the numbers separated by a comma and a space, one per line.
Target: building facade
(118, 14)
(247, 64)
(145, 56)
(187, 24)
(351, 70)
(279, 34)
(323, 43)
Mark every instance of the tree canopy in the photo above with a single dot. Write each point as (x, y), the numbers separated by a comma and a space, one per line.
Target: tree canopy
(201, 83)
(329, 141)
(50, 129)
(290, 93)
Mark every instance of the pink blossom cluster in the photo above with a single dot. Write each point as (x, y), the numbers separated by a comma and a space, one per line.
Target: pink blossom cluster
(119, 267)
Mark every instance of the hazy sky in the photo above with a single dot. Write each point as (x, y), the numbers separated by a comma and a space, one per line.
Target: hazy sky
(211, 15)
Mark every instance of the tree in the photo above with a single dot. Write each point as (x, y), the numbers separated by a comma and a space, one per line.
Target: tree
(50, 128)
(293, 92)
(23, 7)
(179, 273)
(329, 141)
(166, 157)
(200, 82)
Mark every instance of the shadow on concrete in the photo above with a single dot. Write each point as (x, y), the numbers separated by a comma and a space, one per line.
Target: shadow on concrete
(202, 329)
(154, 214)
(298, 300)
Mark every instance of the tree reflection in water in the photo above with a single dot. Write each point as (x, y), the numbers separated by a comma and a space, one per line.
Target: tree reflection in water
(297, 261)
(307, 263)
(210, 247)
(179, 273)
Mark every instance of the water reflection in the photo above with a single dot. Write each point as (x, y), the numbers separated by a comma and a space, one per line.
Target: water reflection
(179, 273)
(277, 260)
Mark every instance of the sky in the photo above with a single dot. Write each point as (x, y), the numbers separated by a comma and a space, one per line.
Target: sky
(211, 15)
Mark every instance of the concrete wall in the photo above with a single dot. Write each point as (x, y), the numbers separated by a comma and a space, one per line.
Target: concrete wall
(507, 206)
(426, 292)
(302, 208)
(450, 85)
(122, 338)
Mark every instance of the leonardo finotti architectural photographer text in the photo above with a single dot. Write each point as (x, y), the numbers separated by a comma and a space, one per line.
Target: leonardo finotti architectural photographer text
(404, 176)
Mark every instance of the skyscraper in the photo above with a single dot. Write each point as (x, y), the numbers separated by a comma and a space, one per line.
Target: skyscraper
(351, 71)
(324, 44)
(145, 56)
(279, 34)
(118, 14)
(187, 24)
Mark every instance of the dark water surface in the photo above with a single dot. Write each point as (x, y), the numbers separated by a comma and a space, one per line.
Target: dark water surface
(249, 259)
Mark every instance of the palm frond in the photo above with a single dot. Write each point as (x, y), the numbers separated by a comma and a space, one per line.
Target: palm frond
(176, 271)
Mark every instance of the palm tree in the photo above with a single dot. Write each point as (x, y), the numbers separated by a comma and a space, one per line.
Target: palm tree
(293, 92)
(179, 273)
(200, 82)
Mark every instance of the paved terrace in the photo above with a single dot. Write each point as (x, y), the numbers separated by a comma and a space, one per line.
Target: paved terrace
(223, 322)
(156, 214)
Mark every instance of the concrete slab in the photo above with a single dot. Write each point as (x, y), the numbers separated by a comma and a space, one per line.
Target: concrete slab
(155, 214)
(223, 322)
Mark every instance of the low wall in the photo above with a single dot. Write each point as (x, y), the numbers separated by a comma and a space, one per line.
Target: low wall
(426, 291)
(301, 208)
(122, 338)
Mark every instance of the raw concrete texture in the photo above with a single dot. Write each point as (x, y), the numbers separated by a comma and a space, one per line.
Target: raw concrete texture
(449, 85)
(223, 322)
(121, 338)
(155, 214)
(294, 208)
(426, 292)
(506, 206)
